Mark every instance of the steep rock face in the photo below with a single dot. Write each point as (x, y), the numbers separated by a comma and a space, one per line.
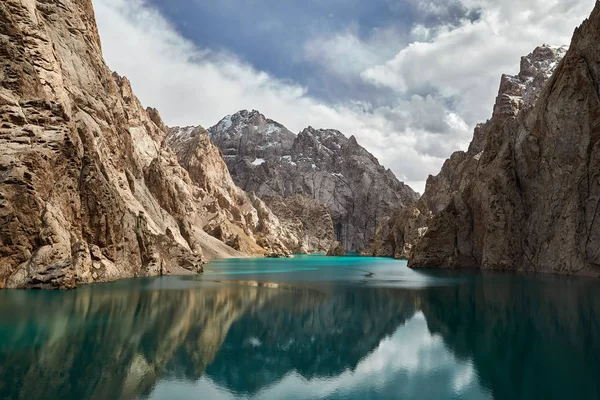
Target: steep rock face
(336, 250)
(282, 226)
(267, 159)
(525, 196)
(399, 234)
(89, 190)
(232, 216)
(308, 221)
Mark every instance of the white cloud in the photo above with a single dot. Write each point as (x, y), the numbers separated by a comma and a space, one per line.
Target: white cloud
(342, 54)
(412, 134)
(191, 86)
(466, 63)
(346, 55)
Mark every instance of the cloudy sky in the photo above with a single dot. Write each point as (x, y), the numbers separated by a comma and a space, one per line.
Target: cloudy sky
(409, 78)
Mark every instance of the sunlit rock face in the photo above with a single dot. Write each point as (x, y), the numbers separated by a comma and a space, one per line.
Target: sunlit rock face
(525, 194)
(236, 218)
(320, 164)
(89, 189)
(280, 225)
(76, 151)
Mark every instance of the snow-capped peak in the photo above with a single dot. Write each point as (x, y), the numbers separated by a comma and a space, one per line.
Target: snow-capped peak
(521, 90)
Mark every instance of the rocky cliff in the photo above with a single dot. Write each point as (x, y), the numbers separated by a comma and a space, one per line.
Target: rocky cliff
(525, 195)
(266, 158)
(308, 222)
(243, 222)
(89, 189)
(282, 226)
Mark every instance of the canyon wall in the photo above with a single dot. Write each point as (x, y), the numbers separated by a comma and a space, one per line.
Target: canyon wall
(525, 195)
(89, 189)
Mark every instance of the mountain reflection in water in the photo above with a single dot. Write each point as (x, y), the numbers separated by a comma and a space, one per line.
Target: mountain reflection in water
(472, 337)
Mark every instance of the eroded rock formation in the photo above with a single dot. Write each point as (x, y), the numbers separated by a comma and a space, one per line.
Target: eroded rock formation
(307, 223)
(89, 189)
(283, 226)
(336, 250)
(266, 158)
(525, 195)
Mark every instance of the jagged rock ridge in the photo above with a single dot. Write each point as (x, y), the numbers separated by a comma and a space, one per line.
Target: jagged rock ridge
(525, 195)
(306, 229)
(321, 164)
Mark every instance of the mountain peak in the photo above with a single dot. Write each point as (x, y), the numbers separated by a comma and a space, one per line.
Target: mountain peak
(250, 134)
(323, 164)
(520, 91)
(247, 113)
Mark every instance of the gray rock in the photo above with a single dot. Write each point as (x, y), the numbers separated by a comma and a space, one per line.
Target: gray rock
(296, 225)
(309, 223)
(231, 216)
(525, 196)
(266, 158)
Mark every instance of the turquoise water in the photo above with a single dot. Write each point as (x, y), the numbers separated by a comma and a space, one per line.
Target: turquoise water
(306, 328)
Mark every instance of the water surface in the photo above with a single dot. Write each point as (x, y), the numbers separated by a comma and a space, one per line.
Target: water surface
(306, 328)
